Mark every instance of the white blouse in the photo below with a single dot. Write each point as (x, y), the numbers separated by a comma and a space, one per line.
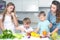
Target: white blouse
(8, 24)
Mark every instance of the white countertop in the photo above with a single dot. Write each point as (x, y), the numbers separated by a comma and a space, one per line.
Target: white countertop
(33, 38)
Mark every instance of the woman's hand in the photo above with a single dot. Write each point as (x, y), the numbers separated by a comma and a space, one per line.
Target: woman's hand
(50, 25)
(55, 30)
(49, 33)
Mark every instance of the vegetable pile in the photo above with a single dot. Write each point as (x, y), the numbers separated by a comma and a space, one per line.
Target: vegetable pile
(55, 36)
(7, 34)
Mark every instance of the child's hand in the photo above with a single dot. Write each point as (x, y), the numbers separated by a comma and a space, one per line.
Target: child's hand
(28, 31)
(12, 14)
(20, 28)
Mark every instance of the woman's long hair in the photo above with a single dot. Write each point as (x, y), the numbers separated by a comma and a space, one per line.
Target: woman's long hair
(5, 11)
(56, 3)
(58, 14)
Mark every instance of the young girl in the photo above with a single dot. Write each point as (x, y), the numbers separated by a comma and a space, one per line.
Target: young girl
(8, 19)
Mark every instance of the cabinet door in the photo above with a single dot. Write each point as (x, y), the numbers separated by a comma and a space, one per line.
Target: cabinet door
(25, 5)
(18, 4)
(30, 5)
(45, 3)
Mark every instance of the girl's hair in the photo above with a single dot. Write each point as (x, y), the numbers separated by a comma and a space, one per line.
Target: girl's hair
(5, 11)
(58, 14)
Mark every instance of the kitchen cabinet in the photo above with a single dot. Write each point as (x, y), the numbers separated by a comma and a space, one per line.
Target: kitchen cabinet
(30, 5)
(45, 3)
(25, 5)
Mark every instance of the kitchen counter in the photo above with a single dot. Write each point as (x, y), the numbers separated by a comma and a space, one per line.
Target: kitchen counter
(34, 38)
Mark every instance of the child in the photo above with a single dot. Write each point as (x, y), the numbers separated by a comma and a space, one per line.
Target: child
(26, 26)
(8, 19)
(43, 25)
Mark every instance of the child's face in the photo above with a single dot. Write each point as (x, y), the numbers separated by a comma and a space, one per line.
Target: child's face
(10, 8)
(53, 8)
(26, 25)
(42, 17)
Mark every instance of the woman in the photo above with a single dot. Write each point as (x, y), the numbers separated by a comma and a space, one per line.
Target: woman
(8, 19)
(58, 20)
(52, 16)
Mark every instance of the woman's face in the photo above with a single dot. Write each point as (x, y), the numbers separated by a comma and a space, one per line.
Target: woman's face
(53, 8)
(10, 8)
